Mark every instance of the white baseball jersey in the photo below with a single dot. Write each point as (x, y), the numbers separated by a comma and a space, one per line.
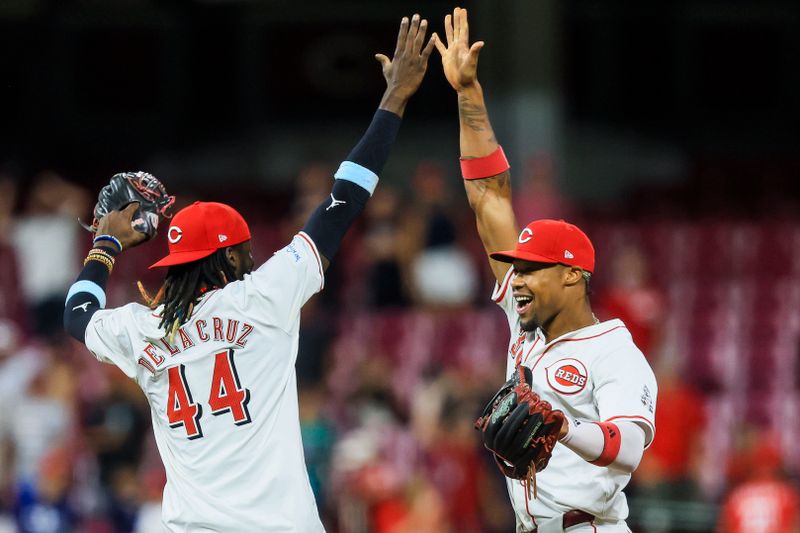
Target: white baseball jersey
(592, 374)
(223, 397)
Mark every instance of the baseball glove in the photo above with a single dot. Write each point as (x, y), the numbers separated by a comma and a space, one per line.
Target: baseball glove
(128, 187)
(520, 428)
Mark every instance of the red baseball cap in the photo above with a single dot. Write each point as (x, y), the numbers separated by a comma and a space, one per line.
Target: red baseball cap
(201, 229)
(551, 241)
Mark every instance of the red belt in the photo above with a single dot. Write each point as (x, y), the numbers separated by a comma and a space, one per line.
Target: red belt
(573, 518)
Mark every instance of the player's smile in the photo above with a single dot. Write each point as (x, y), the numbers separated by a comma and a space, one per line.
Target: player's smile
(524, 303)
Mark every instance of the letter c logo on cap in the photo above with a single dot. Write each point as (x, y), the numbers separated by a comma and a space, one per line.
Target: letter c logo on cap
(174, 234)
(525, 236)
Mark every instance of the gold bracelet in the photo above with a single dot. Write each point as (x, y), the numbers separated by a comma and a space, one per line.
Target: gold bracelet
(103, 251)
(102, 258)
(99, 257)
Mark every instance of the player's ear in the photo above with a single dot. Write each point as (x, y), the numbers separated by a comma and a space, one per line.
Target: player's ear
(231, 257)
(572, 276)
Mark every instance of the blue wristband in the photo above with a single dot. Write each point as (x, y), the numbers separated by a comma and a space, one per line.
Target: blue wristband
(357, 174)
(109, 238)
(90, 287)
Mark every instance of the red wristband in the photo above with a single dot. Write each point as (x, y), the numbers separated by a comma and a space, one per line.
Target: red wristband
(485, 167)
(611, 443)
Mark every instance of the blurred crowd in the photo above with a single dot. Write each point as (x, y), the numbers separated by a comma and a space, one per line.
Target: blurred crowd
(397, 357)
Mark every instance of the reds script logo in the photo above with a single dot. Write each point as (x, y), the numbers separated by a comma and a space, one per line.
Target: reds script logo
(567, 376)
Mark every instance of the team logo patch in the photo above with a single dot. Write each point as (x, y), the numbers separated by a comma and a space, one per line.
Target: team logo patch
(567, 376)
(525, 236)
(174, 234)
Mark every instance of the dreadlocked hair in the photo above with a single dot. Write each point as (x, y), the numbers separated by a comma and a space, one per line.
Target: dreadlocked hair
(183, 287)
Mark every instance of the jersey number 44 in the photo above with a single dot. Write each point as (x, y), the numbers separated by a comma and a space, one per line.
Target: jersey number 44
(227, 396)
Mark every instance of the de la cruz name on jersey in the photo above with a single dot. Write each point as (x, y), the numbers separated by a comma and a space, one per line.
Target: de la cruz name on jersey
(217, 329)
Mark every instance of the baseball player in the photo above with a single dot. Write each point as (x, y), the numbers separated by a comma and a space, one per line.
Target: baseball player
(588, 370)
(216, 356)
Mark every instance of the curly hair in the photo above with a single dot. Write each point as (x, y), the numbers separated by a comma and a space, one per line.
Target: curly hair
(184, 285)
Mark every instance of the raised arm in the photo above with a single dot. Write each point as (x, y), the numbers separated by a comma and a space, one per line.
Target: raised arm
(487, 180)
(357, 176)
(87, 295)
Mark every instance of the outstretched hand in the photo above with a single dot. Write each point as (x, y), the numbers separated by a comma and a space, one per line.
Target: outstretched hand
(119, 224)
(459, 59)
(405, 71)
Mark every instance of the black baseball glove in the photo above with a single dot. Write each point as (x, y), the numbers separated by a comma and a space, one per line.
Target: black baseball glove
(128, 187)
(520, 428)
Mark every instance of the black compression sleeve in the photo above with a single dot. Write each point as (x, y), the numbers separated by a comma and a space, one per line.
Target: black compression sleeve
(372, 151)
(352, 188)
(83, 298)
(331, 220)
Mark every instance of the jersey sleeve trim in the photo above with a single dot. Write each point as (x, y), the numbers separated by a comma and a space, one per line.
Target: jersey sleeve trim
(501, 288)
(313, 247)
(639, 419)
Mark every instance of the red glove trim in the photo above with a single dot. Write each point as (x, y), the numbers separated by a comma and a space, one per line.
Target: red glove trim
(485, 167)
(611, 444)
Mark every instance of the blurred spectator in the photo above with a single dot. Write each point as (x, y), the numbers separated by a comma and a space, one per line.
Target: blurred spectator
(48, 268)
(538, 195)
(765, 502)
(631, 297)
(124, 498)
(41, 418)
(668, 467)
(115, 425)
(386, 251)
(8, 202)
(19, 364)
(317, 332)
(372, 462)
(152, 489)
(43, 506)
(313, 184)
(12, 301)
(442, 272)
(425, 511)
(444, 414)
(318, 440)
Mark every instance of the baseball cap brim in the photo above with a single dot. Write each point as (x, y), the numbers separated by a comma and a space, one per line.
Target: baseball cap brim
(509, 256)
(180, 258)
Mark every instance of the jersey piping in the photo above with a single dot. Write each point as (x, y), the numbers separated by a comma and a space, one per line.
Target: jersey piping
(313, 246)
(500, 292)
(559, 341)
